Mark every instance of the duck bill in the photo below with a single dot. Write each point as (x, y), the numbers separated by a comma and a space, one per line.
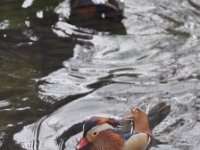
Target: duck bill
(82, 144)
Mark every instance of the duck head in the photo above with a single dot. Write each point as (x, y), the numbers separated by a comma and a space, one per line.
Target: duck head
(99, 134)
(111, 9)
(92, 122)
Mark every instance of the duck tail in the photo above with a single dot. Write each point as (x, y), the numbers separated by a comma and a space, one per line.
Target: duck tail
(158, 113)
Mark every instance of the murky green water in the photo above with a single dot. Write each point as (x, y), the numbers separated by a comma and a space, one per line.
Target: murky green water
(54, 72)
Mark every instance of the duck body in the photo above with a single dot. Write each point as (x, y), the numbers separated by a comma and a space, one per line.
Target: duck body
(103, 133)
(112, 9)
(106, 137)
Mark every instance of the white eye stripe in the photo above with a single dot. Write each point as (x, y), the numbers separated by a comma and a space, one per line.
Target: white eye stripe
(99, 1)
(103, 1)
(99, 128)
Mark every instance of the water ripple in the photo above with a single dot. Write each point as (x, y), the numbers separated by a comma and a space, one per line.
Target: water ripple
(152, 55)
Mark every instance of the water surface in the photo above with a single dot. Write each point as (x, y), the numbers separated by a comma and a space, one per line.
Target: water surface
(56, 72)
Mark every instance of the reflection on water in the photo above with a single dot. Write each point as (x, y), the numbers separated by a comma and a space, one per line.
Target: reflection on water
(55, 71)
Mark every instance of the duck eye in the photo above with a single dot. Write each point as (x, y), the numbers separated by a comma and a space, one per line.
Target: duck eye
(95, 133)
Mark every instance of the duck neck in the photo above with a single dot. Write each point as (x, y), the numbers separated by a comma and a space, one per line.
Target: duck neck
(108, 140)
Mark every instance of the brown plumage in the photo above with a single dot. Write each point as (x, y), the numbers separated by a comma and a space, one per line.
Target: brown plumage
(141, 121)
(142, 138)
(100, 133)
(107, 140)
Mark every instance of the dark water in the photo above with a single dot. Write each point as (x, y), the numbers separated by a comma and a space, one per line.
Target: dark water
(54, 72)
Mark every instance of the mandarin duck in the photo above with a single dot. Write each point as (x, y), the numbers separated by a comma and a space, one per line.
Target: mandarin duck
(101, 133)
(112, 9)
